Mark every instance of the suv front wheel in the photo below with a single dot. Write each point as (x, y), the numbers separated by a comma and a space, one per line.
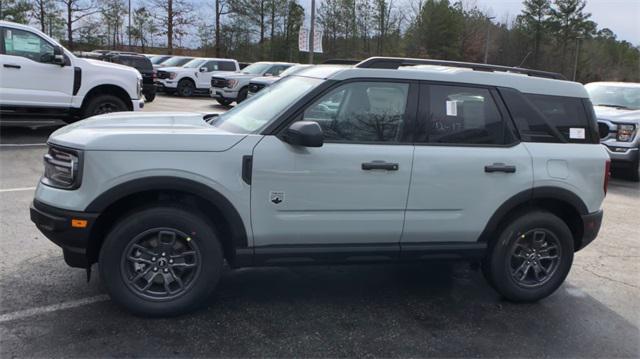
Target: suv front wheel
(531, 258)
(161, 261)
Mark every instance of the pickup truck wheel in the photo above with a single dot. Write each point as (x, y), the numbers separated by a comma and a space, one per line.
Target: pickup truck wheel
(149, 97)
(242, 95)
(161, 261)
(186, 88)
(102, 104)
(531, 258)
(224, 103)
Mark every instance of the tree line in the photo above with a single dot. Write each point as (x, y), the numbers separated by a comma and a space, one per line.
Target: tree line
(553, 35)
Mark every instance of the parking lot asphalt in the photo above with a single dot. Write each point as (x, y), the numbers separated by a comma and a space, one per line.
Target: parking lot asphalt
(442, 309)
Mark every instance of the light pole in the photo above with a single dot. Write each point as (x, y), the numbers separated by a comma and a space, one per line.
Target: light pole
(312, 32)
(575, 63)
(486, 41)
(129, 29)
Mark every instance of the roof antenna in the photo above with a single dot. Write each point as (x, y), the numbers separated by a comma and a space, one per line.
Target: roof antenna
(525, 59)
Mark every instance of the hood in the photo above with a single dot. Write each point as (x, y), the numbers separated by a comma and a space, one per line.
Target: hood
(265, 80)
(234, 75)
(153, 131)
(617, 114)
(174, 69)
(109, 66)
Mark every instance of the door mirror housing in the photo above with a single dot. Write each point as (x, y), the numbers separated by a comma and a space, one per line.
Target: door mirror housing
(203, 69)
(58, 56)
(304, 133)
(268, 74)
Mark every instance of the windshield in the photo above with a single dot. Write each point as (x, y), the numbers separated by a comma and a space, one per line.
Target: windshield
(158, 59)
(254, 114)
(256, 69)
(194, 63)
(177, 61)
(626, 97)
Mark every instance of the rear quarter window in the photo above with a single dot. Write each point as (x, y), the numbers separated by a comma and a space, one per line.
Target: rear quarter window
(567, 114)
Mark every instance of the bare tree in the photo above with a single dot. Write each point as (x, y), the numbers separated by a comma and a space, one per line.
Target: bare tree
(174, 16)
(221, 8)
(76, 10)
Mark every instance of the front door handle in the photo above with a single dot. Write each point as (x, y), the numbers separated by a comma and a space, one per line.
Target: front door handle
(12, 66)
(380, 165)
(500, 167)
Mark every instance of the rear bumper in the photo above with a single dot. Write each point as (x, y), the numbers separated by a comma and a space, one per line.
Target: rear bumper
(55, 224)
(591, 226)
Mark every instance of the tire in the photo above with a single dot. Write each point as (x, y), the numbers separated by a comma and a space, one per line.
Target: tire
(102, 104)
(242, 95)
(543, 231)
(149, 97)
(633, 173)
(193, 254)
(186, 88)
(224, 103)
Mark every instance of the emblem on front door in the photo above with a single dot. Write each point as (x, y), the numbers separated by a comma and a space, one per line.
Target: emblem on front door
(276, 197)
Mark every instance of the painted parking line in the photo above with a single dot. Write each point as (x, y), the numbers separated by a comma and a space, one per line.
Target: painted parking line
(19, 189)
(21, 314)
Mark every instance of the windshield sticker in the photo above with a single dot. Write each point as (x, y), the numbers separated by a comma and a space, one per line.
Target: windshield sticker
(452, 108)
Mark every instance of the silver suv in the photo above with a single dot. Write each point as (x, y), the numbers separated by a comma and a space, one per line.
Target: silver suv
(390, 160)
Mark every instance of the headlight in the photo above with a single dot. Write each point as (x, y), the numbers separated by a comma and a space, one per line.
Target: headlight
(139, 88)
(625, 133)
(172, 75)
(232, 83)
(62, 168)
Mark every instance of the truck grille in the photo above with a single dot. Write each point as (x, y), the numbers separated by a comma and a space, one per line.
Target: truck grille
(255, 87)
(218, 82)
(163, 75)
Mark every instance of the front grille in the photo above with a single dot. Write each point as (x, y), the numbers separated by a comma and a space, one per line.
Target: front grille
(255, 87)
(603, 129)
(218, 82)
(163, 75)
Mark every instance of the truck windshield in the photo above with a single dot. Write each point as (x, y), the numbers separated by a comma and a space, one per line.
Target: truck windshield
(177, 61)
(254, 114)
(256, 69)
(194, 63)
(625, 97)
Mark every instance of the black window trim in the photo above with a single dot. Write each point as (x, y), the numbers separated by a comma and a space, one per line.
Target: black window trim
(278, 126)
(424, 110)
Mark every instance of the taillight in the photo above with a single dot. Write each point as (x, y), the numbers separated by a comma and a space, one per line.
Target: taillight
(607, 174)
(155, 75)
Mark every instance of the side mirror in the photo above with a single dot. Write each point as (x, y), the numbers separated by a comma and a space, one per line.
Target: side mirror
(268, 74)
(203, 69)
(304, 133)
(58, 56)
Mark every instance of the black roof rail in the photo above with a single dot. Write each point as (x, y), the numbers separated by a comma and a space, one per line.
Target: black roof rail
(341, 62)
(396, 62)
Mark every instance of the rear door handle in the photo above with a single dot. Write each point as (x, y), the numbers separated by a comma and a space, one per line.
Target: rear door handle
(500, 167)
(12, 66)
(380, 165)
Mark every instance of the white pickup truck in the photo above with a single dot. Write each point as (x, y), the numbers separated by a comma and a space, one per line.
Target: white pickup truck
(42, 79)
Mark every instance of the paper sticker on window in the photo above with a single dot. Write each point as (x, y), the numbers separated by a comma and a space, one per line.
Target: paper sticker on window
(452, 108)
(576, 133)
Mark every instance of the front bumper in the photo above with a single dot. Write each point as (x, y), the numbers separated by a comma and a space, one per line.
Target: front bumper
(220, 93)
(56, 224)
(137, 105)
(163, 84)
(591, 226)
(623, 156)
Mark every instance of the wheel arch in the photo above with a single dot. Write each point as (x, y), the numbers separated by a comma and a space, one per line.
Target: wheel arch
(559, 201)
(218, 210)
(108, 89)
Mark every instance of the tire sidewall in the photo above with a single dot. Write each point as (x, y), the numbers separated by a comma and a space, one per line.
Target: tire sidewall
(168, 217)
(185, 84)
(500, 256)
(95, 102)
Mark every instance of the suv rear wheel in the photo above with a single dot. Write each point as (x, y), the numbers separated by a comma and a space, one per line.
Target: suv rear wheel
(531, 258)
(161, 261)
(102, 104)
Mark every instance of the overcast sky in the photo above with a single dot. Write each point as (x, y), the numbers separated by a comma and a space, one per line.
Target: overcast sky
(621, 16)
